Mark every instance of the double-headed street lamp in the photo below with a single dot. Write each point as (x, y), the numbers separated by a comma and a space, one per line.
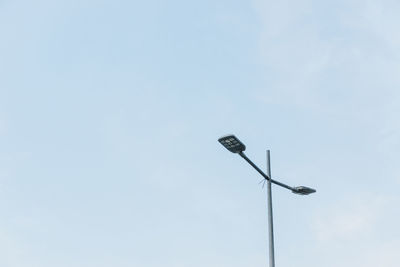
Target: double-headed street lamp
(234, 145)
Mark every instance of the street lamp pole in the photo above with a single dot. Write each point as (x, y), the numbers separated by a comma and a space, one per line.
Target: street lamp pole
(270, 216)
(234, 145)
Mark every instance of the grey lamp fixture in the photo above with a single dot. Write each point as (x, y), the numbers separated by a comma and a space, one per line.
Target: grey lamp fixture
(303, 190)
(234, 145)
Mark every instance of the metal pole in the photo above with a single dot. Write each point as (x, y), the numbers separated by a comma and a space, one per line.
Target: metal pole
(270, 216)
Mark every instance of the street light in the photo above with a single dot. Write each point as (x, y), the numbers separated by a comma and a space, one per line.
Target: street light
(303, 190)
(234, 145)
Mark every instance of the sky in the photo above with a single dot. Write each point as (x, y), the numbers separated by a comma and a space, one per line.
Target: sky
(110, 113)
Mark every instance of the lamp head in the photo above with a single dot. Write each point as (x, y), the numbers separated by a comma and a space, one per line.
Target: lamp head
(303, 190)
(232, 143)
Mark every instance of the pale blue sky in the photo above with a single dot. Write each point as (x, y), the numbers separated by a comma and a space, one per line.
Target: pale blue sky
(110, 113)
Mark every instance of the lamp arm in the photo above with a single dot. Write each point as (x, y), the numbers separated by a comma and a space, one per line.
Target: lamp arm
(263, 174)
